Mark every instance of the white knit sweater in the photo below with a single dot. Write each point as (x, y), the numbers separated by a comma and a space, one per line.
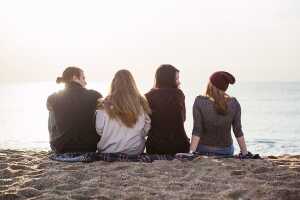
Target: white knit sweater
(118, 138)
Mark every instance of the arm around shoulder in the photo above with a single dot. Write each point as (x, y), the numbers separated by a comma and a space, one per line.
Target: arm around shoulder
(100, 121)
(147, 125)
(96, 94)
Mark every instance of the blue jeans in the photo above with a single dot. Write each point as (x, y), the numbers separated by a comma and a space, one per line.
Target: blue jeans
(217, 151)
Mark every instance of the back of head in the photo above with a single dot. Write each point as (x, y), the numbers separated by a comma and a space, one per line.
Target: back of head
(68, 75)
(165, 76)
(222, 79)
(216, 88)
(125, 101)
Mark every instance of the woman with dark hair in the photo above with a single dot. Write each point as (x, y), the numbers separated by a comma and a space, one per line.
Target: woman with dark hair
(71, 114)
(214, 115)
(167, 102)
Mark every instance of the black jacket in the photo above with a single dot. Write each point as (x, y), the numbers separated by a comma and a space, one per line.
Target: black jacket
(73, 109)
(167, 134)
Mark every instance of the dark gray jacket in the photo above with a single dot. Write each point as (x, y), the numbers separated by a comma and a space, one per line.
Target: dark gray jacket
(72, 119)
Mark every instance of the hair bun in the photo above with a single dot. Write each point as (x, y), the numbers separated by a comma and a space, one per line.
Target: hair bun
(59, 80)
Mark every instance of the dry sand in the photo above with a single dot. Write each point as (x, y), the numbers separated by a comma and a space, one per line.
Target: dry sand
(31, 175)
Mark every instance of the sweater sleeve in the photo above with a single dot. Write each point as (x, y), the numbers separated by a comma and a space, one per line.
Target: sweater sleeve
(53, 132)
(50, 102)
(95, 94)
(197, 117)
(236, 123)
(100, 122)
(147, 125)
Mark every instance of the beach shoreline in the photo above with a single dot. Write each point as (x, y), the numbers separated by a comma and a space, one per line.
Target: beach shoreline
(32, 175)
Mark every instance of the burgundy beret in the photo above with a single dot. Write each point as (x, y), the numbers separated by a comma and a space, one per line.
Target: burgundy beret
(222, 79)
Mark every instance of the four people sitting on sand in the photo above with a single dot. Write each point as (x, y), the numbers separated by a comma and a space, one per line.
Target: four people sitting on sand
(125, 118)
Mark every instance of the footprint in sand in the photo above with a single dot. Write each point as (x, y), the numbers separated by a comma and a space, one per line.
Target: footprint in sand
(101, 197)
(28, 192)
(260, 170)
(7, 173)
(3, 188)
(295, 184)
(6, 181)
(8, 196)
(20, 166)
(72, 168)
(3, 165)
(134, 189)
(175, 186)
(288, 194)
(37, 173)
(67, 187)
(238, 172)
(79, 197)
(238, 194)
(39, 184)
(124, 167)
(198, 196)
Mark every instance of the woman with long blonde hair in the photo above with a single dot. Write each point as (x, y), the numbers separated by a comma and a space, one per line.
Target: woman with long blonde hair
(214, 115)
(122, 118)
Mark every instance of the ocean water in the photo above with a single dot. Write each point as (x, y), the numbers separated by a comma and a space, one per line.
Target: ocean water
(270, 114)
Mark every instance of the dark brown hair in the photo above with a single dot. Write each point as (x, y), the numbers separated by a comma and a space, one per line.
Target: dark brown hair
(165, 76)
(68, 74)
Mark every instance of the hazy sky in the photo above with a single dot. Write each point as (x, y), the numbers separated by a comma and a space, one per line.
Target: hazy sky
(256, 40)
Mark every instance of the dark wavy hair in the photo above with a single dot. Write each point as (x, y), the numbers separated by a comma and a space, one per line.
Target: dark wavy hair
(165, 76)
(68, 74)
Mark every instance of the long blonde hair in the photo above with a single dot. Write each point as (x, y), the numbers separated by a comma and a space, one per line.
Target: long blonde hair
(124, 101)
(219, 97)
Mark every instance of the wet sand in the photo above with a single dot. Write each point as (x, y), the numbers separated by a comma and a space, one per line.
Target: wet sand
(31, 175)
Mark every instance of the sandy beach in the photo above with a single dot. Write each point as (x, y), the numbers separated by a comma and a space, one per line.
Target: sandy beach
(31, 175)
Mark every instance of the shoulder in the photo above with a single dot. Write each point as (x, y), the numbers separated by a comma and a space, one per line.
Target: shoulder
(170, 91)
(51, 98)
(149, 94)
(201, 101)
(101, 113)
(53, 95)
(235, 102)
(95, 94)
(153, 94)
(54, 98)
(201, 98)
(178, 92)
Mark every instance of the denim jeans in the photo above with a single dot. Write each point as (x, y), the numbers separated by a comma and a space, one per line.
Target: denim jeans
(218, 151)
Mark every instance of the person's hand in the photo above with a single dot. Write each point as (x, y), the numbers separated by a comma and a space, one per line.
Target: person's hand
(245, 155)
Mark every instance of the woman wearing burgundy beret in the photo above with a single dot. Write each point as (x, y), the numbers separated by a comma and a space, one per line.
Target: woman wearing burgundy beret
(214, 114)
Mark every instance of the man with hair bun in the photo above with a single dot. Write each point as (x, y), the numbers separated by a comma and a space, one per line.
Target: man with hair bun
(71, 114)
